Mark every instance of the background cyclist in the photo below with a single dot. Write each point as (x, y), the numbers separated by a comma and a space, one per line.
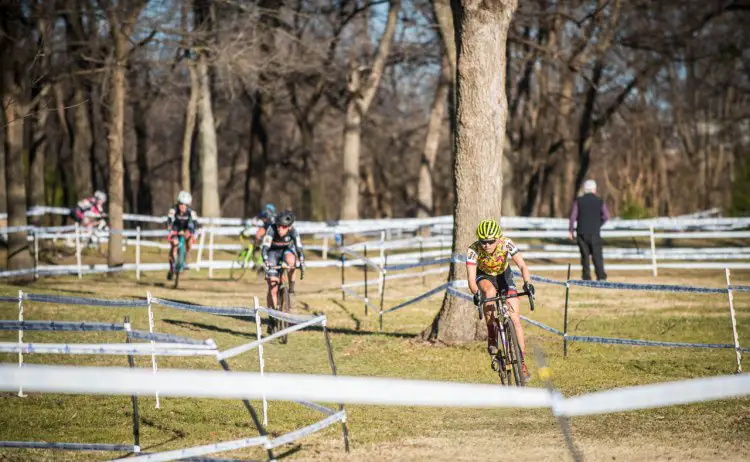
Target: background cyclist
(281, 243)
(89, 210)
(181, 219)
(488, 270)
(260, 222)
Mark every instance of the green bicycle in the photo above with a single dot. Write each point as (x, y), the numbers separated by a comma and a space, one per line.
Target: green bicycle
(249, 257)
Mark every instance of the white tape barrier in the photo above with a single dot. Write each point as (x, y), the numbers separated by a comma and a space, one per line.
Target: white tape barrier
(252, 345)
(249, 385)
(199, 450)
(361, 390)
(144, 349)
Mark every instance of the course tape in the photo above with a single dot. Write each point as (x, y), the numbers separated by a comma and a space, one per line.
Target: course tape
(251, 385)
(290, 318)
(647, 287)
(8, 299)
(305, 431)
(655, 395)
(403, 266)
(69, 446)
(607, 340)
(107, 349)
(217, 310)
(317, 407)
(627, 341)
(60, 326)
(354, 294)
(741, 288)
(252, 345)
(166, 338)
(429, 293)
(66, 300)
(199, 450)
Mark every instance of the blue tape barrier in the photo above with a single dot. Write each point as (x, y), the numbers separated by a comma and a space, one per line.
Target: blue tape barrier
(647, 287)
(217, 310)
(66, 300)
(740, 288)
(8, 299)
(627, 341)
(429, 293)
(608, 340)
(165, 338)
(404, 266)
(60, 326)
(541, 279)
(69, 446)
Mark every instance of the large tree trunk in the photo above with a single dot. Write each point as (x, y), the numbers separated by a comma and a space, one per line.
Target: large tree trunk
(425, 206)
(38, 153)
(207, 146)
(116, 142)
(361, 95)
(15, 179)
(481, 113)
(81, 142)
(187, 136)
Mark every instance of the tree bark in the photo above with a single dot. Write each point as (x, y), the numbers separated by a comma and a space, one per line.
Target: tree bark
(15, 179)
(38, 154)
(481, 113)
(207, 146)
(361, 95)
(425, 205)
(187, 136)
(116, 142)
(81, 142)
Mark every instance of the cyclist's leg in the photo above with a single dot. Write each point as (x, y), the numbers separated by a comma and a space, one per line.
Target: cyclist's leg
(174, 243)
(507, 285)
(273, 277)
(290, 257)
(488, 289)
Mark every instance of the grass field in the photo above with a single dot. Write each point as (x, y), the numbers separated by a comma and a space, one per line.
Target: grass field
(716, 430)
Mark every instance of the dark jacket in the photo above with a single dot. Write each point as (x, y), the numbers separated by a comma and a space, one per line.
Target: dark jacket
(590, 213)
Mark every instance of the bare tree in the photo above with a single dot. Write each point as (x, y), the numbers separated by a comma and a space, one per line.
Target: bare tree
(121, 20)
(481, 113)
(362, 89)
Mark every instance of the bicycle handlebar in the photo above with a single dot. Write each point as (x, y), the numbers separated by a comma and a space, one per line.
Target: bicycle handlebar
(503, 298)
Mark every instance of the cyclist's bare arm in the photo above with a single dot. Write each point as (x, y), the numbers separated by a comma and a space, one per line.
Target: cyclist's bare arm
(471, 276)
(521, 264)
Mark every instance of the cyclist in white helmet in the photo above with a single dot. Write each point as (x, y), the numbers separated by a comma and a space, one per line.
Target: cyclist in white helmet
(181, 219)
(89, 210)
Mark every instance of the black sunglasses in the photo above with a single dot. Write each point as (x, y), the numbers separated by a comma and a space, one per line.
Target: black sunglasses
(487, 241)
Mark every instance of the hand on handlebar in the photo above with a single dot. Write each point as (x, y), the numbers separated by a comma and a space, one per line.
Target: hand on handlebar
(477, 298)
(529, 287)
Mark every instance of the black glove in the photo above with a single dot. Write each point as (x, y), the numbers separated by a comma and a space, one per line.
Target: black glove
(528, 287)
(477, 298)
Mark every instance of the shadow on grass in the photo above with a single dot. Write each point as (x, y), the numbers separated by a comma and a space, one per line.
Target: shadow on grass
(351, 315)
(201, 326)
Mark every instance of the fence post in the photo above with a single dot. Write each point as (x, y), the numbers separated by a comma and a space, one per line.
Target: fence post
(78, 251)
(258, 333)
(151, 330)
(382, 291)
(421, 261)
(329, 348)
(20, 339)
(36, 254)
(381, 275)
(653, 250)
(200, 252)
(365, 268)
(325, 247)
(138, 253)
(737, 350)
(565, 318)
(134, 397)
(211, 254)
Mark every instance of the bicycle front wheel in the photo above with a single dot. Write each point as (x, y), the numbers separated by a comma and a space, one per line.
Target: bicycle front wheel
(239, 266)
(514, 353)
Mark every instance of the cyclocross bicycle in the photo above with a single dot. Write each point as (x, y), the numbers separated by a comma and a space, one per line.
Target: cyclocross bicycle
(249, 257)
(284, 301)
(179, 264)
(508, 361)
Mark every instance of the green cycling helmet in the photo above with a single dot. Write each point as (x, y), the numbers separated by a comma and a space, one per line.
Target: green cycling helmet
(488, 229)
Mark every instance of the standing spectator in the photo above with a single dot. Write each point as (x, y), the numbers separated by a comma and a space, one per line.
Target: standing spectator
(590, 213)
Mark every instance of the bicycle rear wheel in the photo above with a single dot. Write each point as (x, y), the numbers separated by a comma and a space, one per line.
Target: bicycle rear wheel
(514, 353)
(239, 266)
(285, 305)
(179, 263)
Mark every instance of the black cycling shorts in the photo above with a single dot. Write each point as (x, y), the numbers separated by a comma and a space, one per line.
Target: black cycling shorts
(503, 282)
